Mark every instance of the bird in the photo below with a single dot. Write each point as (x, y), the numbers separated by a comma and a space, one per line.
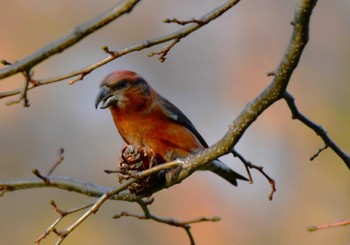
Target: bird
(144, 118)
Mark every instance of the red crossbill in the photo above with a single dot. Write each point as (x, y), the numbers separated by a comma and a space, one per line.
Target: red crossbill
(146, 119)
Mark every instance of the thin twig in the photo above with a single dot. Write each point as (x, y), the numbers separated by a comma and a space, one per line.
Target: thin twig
(28, 78)
(62, 213)
(318, 152)
(92, 210)
(184, 22)
(47, 232)
(169, 221)
(3, 189)
(59, 160)
(270, 73)
(40, 176)
(108, 51)
(79, 78)
(23, 95)
(5, 62)
(186, 225)
(248, 165)
(109, 171)
(320, 227)
(162, 54)
(316, 128)
(113, 192)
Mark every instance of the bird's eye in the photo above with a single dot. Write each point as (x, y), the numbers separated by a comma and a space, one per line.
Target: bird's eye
(122, 84)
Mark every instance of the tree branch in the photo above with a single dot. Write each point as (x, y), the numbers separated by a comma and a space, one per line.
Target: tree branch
(28, 79)
(177, 170)
(317, 129)
(78, 34)
(111, 193)
(336, 224)
(249, 165)
(81, 73)
(162, 54)
(271, 94)
(59, 160)
(64, 183)
(62, 213)
(89, 189)
(186, 225)
(184, 22)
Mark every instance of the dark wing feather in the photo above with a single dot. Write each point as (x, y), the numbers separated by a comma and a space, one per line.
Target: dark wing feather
(218, 167)
(174, 113)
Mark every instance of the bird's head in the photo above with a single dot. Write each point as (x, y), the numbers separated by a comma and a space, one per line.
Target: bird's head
(124, 90)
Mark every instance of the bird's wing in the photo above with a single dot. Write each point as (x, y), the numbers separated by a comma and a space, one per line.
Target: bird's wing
(216, 166)
(174, 113)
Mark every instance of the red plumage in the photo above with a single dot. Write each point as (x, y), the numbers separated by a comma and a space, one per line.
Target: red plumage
(146, 119)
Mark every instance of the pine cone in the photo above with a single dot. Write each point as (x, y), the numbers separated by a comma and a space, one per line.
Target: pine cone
(134, 160)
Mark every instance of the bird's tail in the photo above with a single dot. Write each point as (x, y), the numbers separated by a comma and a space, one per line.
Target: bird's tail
(225, 172)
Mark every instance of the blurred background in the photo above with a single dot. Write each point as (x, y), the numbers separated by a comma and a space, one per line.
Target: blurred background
(211, 75)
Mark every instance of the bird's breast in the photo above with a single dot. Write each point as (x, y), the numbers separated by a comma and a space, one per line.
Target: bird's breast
(155, 131)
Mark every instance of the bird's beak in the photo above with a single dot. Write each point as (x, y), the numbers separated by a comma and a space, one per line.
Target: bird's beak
(105, 96)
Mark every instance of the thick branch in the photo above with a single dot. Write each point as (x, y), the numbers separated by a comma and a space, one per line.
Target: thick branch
(89, 189)
(179, 170)
(65, 183)
(271, 94)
